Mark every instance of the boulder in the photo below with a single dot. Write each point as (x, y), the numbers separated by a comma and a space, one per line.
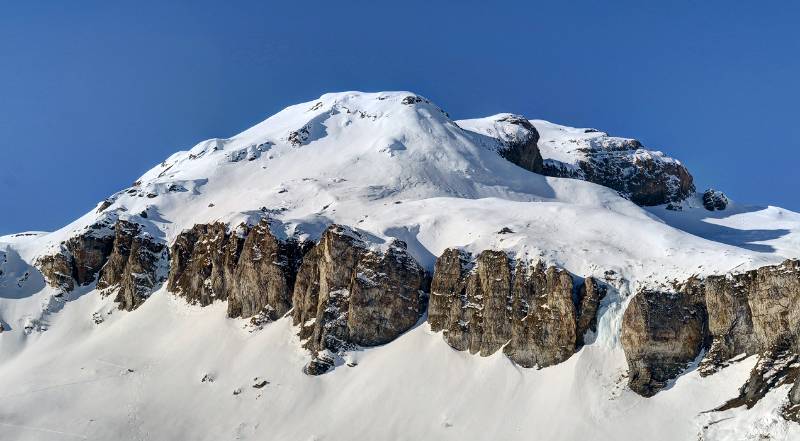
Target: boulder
(714, 200)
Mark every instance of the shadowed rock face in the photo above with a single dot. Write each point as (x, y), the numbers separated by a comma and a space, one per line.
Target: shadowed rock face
(79, 258)
(590, 295)
(136, 266)
(755, 312)
(521, 148)
(347, 295)
(249, 267)
(530, 312)
(625, 166)
(714, 200)
(661, 333)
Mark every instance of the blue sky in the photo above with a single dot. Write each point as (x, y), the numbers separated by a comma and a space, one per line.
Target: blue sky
(93, 94)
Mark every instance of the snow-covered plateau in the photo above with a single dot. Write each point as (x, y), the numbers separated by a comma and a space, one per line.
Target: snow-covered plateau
(362, 267)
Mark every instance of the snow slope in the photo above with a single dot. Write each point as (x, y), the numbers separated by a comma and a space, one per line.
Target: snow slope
(395, 166)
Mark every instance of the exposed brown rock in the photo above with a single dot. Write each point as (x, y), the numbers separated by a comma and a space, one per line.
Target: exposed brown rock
(265, 274)
(387, 296)
(118, 253)
(544, 326)
(753, 313)
(662, 332)
(646, 179)
(249, 267)
(448, 289)
(57, 269)
(79, 258)
(137, 264)
(530, 312)
(200, 260)
(346, 295)
(775, 367)
(522, 147)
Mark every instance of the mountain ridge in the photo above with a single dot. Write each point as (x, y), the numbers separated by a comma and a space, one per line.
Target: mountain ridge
(367, 191)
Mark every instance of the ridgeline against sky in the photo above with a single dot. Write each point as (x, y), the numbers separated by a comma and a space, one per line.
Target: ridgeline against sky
(94, 94)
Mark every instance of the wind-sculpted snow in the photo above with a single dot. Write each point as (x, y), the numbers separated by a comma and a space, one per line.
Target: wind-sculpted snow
(255, 291)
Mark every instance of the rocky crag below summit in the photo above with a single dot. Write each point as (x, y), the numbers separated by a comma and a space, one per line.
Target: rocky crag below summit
(730, 316)
(535, 314)
(247, 266)
(119, 255)
(646, 177)
(348, 295)
(343, 293)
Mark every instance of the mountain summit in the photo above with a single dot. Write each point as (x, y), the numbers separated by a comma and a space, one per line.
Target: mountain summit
(361, 266)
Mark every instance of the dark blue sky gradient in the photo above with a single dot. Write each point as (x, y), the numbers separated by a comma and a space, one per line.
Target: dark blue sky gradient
(93, 94)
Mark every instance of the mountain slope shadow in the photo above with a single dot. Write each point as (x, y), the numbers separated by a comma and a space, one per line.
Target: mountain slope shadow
(696, 222)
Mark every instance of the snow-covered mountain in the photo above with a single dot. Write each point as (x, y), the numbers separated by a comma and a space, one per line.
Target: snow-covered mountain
(363, 267)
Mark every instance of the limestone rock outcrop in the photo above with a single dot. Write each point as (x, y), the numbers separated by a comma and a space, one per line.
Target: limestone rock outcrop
(662, 333)
(714, 200)
(752, 313)
(346, 295)
(119, 254)
(80, 258)
(483, 305)
(248, 266)
(265, 274)
(520, 143)
(202, 262)
(645, 177)
(137, 264)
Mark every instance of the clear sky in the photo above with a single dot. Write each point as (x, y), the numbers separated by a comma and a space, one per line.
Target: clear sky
(93, 94)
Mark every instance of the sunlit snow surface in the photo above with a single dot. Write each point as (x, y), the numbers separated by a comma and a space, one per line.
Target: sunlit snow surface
(391, 170)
